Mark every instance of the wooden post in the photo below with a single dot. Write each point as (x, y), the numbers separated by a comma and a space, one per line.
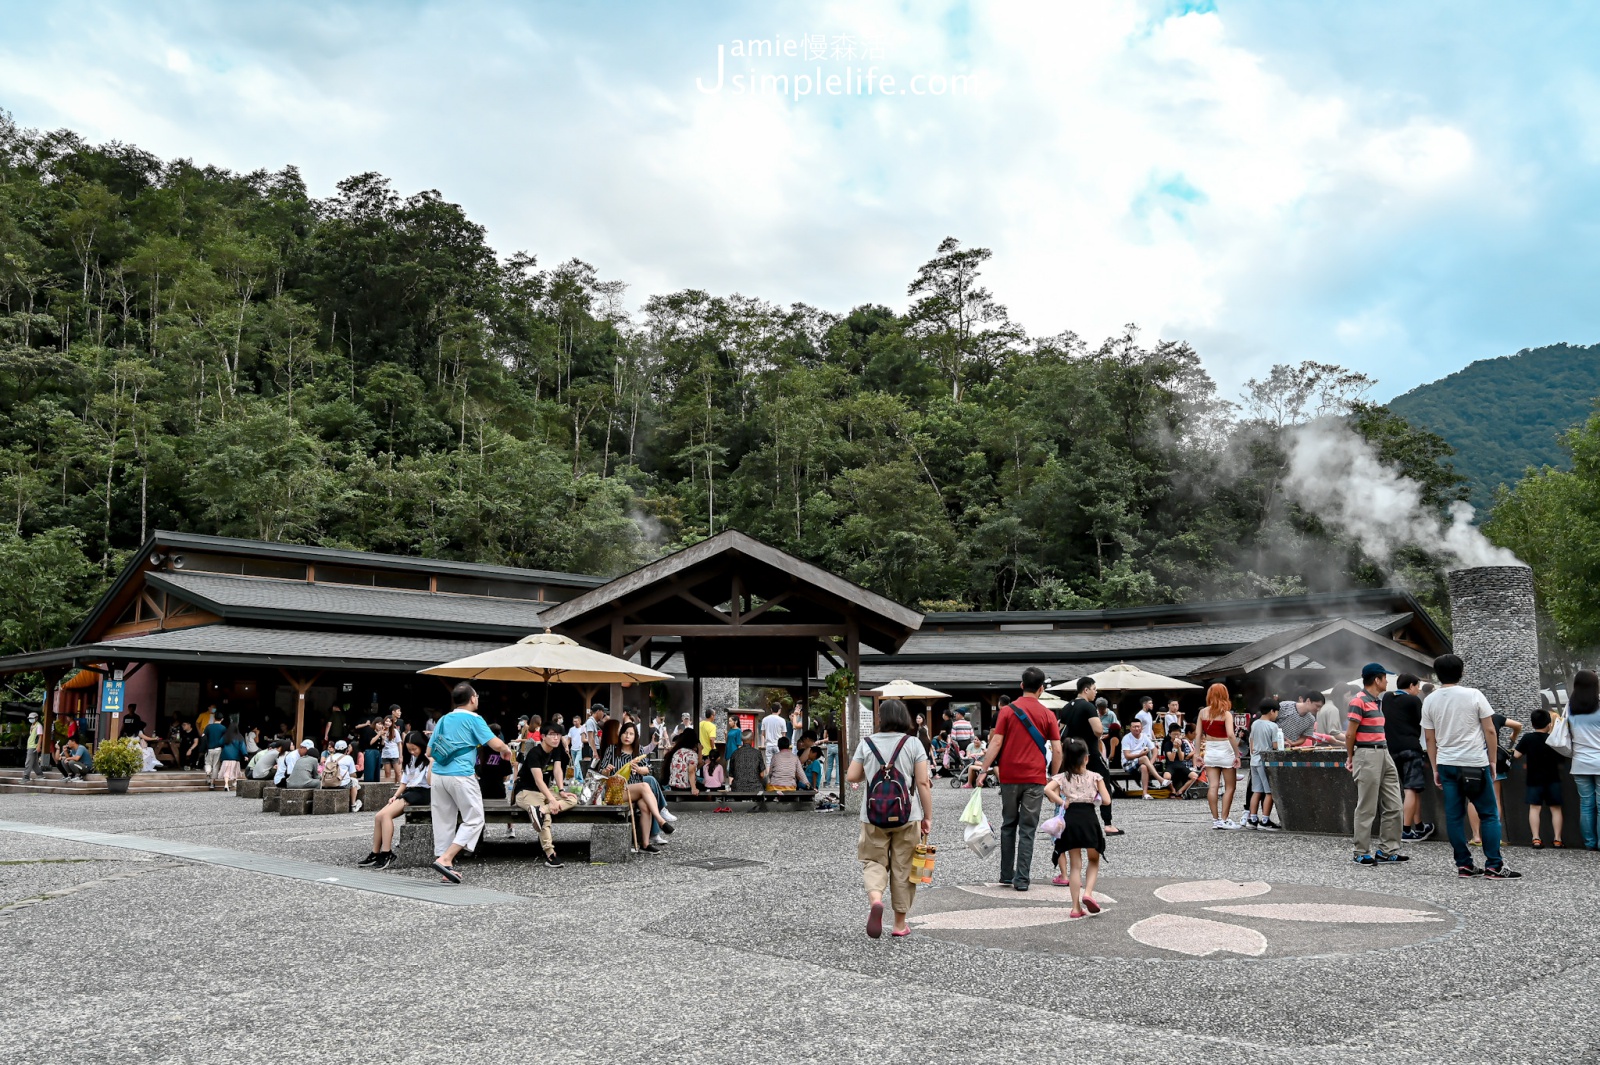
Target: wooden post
(300, 688)
(616, 689)
(852, 703)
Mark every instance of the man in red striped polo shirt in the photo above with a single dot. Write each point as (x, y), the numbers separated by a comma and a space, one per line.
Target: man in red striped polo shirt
(1377, 780)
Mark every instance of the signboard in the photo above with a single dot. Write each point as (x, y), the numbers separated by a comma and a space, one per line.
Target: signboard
(111, 696)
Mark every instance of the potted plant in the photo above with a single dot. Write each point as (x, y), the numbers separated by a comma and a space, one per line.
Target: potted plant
(117, 761)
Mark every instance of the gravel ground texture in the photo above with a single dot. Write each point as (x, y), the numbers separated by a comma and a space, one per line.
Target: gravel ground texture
(115, 955)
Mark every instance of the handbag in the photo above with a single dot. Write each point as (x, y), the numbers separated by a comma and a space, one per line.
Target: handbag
(616, 791)
(1560, 740)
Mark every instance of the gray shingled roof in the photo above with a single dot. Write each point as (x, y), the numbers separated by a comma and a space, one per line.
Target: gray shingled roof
(264, 599)
(242, 644)
(1045, 643)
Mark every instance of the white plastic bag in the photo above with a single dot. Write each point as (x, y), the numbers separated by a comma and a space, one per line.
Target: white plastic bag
(980, 839)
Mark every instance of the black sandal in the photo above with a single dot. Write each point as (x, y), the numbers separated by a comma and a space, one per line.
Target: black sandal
(448, 872)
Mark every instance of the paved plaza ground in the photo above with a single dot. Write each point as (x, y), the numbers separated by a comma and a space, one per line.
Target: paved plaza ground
(136, 956)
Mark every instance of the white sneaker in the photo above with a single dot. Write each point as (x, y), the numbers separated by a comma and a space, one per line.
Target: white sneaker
(1216, 822)
(1232, 826)
(355, 807)
(668, 816)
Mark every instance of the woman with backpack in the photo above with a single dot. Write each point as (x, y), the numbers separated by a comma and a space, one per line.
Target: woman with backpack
(895, 812)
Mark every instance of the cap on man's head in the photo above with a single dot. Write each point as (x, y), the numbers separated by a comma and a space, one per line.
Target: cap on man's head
(1373, 669)
(340, 745)
(306, 745)
(33, 717)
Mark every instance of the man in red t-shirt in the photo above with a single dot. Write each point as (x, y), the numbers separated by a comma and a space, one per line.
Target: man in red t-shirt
(1027, 741)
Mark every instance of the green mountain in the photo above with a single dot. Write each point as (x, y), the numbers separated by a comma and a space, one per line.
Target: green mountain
(1504, 415)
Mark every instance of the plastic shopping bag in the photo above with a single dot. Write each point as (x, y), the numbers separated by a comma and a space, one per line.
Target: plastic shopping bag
(980, 839)
(973, 814)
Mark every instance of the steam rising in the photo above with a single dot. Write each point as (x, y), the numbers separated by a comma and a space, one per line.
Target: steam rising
(1336, 474)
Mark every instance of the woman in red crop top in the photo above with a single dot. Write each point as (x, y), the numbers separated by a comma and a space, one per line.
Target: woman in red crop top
(1217, 750)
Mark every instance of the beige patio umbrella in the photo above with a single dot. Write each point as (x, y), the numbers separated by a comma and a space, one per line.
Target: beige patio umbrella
(1125, 678)
(904, 689)
(901, 689)
(1051, 702)
(546, 658)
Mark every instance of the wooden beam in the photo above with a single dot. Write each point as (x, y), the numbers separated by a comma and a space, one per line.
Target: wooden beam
(696, 601)
(764, 607)
(621, 607)
(852, 645)
(636, 646)
(731, 630)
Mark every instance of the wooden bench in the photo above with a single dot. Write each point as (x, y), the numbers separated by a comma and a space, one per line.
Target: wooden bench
(610, 832)
(760, 798)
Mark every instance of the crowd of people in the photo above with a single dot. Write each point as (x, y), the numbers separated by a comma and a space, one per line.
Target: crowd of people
(1394, 742)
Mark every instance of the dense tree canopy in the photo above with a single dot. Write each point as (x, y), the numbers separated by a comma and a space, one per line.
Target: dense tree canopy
(185, 347)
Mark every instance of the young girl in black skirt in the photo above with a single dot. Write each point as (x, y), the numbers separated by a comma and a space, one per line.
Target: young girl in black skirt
(1080, 791)
(415, 790)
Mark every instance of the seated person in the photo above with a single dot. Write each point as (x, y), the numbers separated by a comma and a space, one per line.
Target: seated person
(75, 761)
(537, 789)
(713, 778)
(1111, 731)
(263, 764)
(975, 752)
(306, 772)
(785, 773)
(939, 748)
(747, 768)
(339, 771)
(811, 765)
(287, 762)
(1177, 755)
(1139, 755)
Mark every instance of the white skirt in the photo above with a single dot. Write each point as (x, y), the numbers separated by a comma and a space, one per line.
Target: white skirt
(1219, 756)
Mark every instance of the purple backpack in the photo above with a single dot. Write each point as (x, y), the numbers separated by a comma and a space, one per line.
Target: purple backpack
(888, 794)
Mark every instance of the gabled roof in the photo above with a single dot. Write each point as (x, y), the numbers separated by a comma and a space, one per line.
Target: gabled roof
(1265, 651)
(885, 623)
(165, 542)
(301, 602)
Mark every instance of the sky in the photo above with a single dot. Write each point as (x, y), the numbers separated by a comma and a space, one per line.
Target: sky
(1400, 189)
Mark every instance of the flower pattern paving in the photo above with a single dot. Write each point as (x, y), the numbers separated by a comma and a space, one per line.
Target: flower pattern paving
(1154, 918)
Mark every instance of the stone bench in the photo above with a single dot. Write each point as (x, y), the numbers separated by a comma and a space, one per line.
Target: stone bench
(269, 798)
(610, 831)
(293, 802)
(330, 801)
(251, 789)
(760, 798)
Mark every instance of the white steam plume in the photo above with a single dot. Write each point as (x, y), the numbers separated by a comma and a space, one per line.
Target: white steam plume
(1336, 474)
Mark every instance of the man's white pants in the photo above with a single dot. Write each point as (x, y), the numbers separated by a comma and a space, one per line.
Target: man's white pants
(455, 797)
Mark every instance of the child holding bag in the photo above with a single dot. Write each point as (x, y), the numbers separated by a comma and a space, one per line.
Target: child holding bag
(1080, 791)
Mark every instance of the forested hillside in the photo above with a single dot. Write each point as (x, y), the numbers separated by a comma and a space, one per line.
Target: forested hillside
(189, 348)
(1504, 415)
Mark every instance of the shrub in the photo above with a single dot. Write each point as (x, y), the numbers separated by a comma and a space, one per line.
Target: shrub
(119, 758)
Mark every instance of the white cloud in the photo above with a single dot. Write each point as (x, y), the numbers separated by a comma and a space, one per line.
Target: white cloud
(1124, 166)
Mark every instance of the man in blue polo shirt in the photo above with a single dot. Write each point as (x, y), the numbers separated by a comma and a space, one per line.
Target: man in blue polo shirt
(454, 750)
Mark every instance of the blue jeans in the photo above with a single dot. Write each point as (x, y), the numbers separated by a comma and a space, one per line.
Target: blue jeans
(1455, 817)
(369, 764)
(1588, 807)
(830, 763)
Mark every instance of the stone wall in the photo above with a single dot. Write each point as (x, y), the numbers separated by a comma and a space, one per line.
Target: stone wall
(720, 694)
(1495, 632)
